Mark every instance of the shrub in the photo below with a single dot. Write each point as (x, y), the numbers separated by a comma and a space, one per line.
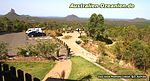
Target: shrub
(52, 33)
(67, 37)
(28, 51)
(22, 51)
(78, 42)
(46, 49)
(59, 34)
(84, 39)
(102, 38)
(3, 50)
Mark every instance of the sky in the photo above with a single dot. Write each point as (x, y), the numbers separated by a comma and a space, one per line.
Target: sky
(61, 8)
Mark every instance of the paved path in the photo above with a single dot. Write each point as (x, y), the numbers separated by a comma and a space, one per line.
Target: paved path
(63, 66)
(79, 51)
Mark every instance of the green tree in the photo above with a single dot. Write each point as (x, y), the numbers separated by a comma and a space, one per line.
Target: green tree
(145, 59)
(95, 25)
(18, 25)
(100, 23)
(138, 53)
(119, 51)
(8, 26)
(1, 27)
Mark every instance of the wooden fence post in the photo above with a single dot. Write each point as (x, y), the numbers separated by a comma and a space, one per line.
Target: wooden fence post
(57, 52)
(20, 75)
(6, 72)
(1, 78)
(28, 77)
(36, 79)
(67, 47)
(13, 73)
(68, 52)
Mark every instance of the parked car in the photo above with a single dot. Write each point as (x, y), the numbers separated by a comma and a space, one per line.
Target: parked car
(33, 29)
(36, 34)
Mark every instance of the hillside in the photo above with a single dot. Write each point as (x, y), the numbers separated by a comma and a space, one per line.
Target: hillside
(72, 17)
(138, 20)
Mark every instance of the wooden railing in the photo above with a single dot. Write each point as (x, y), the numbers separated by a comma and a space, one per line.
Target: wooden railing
(8, 73)
(67, 47)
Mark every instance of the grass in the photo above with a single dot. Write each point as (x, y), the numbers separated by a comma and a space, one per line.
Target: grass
(36, 69)
(82, 68)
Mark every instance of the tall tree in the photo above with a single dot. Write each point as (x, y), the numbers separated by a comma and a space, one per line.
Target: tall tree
(95, 24)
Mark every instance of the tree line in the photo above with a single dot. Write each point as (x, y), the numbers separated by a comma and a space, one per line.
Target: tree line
(133, 45)
(7, 25)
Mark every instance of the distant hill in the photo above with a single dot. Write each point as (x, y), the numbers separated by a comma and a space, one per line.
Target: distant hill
(72, 17)
(138, 20)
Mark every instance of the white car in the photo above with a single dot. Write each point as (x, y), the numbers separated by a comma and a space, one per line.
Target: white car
(33, 29)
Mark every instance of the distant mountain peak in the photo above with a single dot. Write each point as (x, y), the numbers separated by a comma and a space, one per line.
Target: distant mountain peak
(138, 20)
(72, 17)
(12, 11)
(12, 14)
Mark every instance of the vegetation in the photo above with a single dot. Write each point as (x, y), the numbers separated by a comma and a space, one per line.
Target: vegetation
(132, 45)
(3, 50)
(95, 25)
(36, 69)
(84, 70)
(119, 69)
(59, 34)
(78, 42)
(136, 52)
(131, 41)
(6, 25)
(85, 39)
(96, 28)
(45, 49)
(67, 37)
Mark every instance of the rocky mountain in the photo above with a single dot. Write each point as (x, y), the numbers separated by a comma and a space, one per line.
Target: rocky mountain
(72, 17)
(12, 14)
